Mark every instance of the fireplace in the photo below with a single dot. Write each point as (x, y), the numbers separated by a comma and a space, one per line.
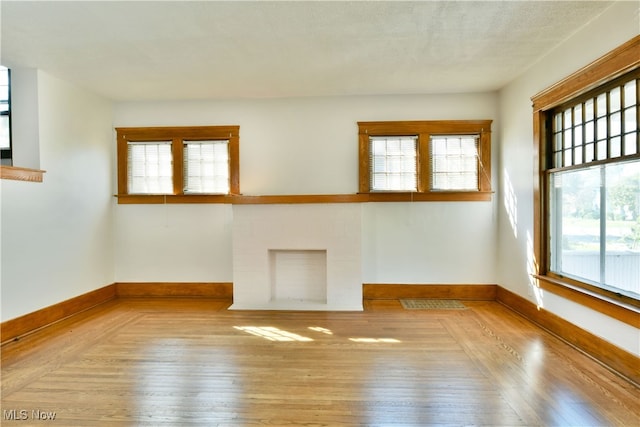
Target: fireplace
(297, 257)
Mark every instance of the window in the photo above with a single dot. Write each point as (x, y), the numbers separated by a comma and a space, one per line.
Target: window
(149, 167)
(160, 164)
(587, 198)
(393, 163)
(206, 167)
(439, 160)
(594, 188)
(5, 115)
(454, 162)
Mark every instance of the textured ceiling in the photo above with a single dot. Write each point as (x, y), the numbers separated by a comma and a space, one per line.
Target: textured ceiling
(198, 50)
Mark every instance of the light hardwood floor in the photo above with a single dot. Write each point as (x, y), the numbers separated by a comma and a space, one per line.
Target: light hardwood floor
(185, 362)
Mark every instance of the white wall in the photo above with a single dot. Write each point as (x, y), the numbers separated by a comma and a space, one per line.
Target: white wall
(56, 235)
(310, 146)
(614, 27)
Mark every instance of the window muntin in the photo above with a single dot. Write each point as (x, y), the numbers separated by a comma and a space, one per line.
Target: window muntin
(5, 115)
(454, 162)
(458, 167)
(206, 167)
(393, 163)
(593, 223)
(150, 168)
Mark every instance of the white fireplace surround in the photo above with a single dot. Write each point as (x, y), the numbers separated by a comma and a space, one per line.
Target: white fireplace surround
(297, 257)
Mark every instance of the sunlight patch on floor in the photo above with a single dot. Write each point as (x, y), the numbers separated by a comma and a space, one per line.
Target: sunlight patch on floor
(272, 334)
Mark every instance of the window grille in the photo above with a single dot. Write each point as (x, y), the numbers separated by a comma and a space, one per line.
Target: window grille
(600, 128)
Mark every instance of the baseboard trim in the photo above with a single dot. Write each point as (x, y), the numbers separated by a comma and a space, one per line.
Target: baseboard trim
(615, 358)
(373, 291)
(15, 328)
(218, 290)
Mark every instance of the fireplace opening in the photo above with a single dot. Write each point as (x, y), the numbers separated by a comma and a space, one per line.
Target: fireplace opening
(298, 275)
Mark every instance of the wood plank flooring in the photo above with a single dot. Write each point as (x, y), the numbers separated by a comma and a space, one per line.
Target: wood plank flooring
(183, 362)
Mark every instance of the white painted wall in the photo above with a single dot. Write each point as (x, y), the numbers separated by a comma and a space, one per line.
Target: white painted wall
(431, 242)
(614, 27)
(56, 235)
(173, 243)
(310, 146)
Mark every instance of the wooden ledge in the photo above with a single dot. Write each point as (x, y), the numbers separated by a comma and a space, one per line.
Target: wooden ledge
(239, 199)
(21, 174)
(621, 308)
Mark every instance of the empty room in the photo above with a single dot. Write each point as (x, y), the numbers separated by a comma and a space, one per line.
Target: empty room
(320, 213)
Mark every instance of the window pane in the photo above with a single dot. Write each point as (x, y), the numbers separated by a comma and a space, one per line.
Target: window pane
(206, 167)
(589, 132)
(630, 144)
(595, 236)
(575, 222)
(630, 93)
(567, 118)
(393, 163)
(568, 140)
(614, 99)
(588, 110)
(615, 150)
(4, 132)
(602, 128)
(577, 114)
(615, 126)
(622, 258)
(150, 168)
(601, 102)
(557, 123)
(454, 162)
(589, 153)
(630, 121)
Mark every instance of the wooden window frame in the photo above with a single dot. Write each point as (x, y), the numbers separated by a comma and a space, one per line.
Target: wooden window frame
(620, 61)
(177, 135)
(424, 130)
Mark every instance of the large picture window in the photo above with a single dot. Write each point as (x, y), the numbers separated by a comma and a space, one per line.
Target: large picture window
(594, 188)
(587, 224)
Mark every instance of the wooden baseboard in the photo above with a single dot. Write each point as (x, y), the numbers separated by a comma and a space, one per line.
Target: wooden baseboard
(219, 290)
(617, 359)
(14, 328)
(397, 291)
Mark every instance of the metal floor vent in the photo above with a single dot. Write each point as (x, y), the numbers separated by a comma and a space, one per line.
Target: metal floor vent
(431, 304)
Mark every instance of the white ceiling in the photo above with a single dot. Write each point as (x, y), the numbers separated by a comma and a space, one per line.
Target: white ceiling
(210, 49)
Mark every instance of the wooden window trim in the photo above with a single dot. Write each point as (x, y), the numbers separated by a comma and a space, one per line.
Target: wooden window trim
(424, 129)
(177, 135)
(16, 173)
(621, 60)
